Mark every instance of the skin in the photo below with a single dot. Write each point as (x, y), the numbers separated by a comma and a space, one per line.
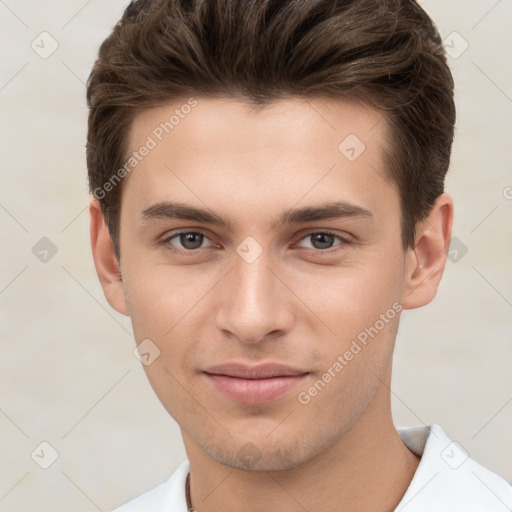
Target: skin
(294, 304)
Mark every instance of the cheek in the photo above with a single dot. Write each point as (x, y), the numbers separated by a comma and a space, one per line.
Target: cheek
(352, 298)
(163, 306)
(160, 297)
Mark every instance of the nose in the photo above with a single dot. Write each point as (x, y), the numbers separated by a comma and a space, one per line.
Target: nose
(254, 305)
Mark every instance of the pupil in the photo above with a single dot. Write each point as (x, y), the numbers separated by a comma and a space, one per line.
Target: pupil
(191, 240)
(323, 241)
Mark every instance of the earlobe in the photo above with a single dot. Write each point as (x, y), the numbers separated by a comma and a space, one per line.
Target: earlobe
(426, 261)
(105, 260)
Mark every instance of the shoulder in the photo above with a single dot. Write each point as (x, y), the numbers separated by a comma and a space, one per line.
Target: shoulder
(167, 496)
(448, 479)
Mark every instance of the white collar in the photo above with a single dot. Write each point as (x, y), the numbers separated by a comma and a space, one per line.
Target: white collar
(447, 479)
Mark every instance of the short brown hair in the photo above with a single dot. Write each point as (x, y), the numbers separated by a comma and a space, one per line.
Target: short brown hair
(386, 53)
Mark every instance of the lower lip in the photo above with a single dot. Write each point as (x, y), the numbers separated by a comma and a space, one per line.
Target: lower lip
(254, 391)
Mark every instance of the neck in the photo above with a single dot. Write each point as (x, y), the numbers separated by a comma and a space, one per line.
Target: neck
(367, 468)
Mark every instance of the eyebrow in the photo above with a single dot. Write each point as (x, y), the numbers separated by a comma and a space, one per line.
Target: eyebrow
(333, 210)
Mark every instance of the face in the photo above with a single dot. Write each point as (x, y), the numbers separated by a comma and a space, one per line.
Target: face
(261, 255)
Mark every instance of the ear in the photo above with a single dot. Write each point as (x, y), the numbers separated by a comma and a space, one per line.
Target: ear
(105, 260)
(426, 261)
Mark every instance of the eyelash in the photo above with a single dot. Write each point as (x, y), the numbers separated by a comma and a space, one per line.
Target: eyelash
(343, 242)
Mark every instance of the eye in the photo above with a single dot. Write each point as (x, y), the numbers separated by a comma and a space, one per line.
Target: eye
(322, 240)
(187, 240)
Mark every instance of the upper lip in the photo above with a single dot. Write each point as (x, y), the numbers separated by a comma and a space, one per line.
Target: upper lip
(261, 371)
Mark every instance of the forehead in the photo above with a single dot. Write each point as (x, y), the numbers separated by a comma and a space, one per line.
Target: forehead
(293, 121)
(296, 148)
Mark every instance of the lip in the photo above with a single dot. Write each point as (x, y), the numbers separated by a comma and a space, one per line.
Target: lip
(254, 384)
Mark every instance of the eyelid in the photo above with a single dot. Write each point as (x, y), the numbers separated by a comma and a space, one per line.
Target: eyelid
(166, 239)
(342, 239)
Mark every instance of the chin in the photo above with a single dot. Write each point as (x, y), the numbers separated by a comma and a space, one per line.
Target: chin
(258, 455)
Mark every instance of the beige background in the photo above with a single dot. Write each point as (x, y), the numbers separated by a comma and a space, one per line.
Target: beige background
(68, 374)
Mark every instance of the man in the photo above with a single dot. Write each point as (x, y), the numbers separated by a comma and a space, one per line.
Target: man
(268, 198)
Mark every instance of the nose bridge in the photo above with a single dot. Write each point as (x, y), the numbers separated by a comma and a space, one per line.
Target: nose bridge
(253, 306)
(253, 284)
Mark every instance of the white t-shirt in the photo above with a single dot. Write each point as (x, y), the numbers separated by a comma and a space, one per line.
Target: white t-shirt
(446, 480)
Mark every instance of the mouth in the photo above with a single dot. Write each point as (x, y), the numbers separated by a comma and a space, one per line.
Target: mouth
(254, 384)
